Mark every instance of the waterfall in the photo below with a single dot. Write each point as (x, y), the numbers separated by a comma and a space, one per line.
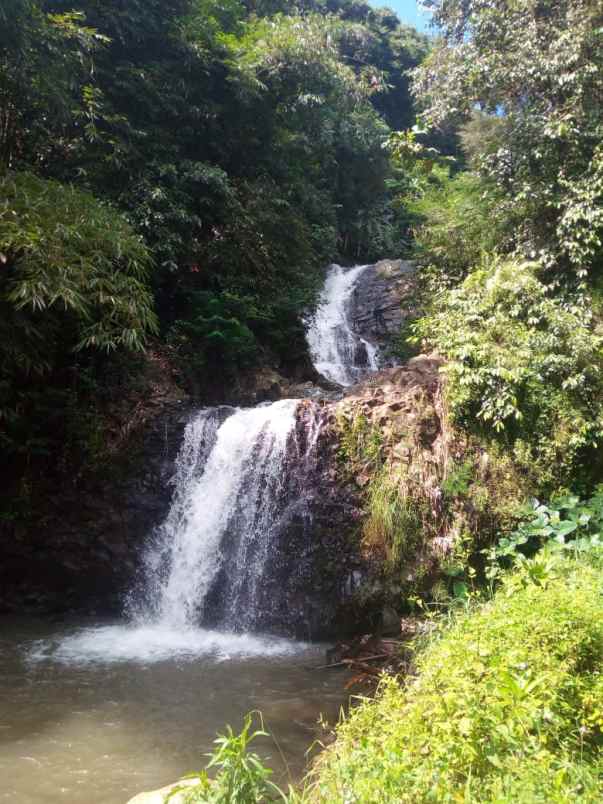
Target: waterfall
(338, 353)
(234, 554)
(228, 488)
(217, 558)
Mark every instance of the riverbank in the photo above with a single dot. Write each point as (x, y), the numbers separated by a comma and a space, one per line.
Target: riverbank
(95, 711)
(505, 706)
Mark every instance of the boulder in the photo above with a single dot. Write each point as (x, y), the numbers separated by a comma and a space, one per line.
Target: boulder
(160, 796)
(385, 297)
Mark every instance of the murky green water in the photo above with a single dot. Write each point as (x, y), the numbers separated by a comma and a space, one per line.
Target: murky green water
(94, 713)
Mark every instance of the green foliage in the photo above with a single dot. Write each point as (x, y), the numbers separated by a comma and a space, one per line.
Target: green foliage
(506, 705)
(73, 281)
(398, 519)
(537, 68)
(243, 141)
(214, 334)
(459, 478)
(241, 777)
(69, 259)
(457, 223)
(415, 160)
(360, 443)
(394, 524)
(323, 118)
(403, 346)
(481, 134)
(46, 78)
(566, 523)
(415, 166)
(523, 364)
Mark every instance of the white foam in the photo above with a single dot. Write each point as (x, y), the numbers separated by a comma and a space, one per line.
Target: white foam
(241, 478)
(156, 643)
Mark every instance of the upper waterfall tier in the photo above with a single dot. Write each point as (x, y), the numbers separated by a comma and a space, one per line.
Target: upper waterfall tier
(339, 353)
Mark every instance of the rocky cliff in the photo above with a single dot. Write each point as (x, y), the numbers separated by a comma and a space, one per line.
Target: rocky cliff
(79, 549)
(384, 299)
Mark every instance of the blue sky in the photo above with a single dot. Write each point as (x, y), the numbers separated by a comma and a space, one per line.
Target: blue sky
(408, 11)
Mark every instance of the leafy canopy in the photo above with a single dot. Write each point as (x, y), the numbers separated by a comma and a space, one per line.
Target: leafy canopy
(537, 67)
(522, 363)
(74, 275)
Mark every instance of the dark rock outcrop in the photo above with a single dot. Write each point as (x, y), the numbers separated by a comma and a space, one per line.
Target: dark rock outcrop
(316, 562)
(385, 296)
(323, 578)
(82, 549)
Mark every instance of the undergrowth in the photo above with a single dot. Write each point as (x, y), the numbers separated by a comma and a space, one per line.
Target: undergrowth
(241, 775)
(506, 705)
(524, 368)
(396, 520)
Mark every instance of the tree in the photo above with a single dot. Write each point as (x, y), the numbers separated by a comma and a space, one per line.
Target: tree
(241, 141)
(536, 65)
(45, 79)
(73, 280)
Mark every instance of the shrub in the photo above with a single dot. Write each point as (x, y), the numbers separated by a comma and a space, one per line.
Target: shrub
(523, 364)
(506, 705)
(69, 260)
(459, 220)
(241, 777)
(214, 333)
(73, 280)
(566, 523)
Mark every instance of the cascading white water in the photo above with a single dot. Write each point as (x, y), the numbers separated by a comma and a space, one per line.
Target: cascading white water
(227, 505)
(334, 346)
(217, 556)
(228, 480)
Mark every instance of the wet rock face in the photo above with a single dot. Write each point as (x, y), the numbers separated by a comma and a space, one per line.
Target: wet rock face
(320, 562)
(83, 552)
(384, 297)
(310, 570)
(404, 405)
(400, 400)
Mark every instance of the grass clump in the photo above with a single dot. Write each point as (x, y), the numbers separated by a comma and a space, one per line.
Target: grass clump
(360, 443)
(394, 522)
(506, 707)
(241, 775)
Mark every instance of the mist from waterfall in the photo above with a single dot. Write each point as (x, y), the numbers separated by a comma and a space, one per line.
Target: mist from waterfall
(339, 353)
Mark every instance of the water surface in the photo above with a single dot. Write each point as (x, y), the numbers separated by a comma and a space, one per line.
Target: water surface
(93, 713)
